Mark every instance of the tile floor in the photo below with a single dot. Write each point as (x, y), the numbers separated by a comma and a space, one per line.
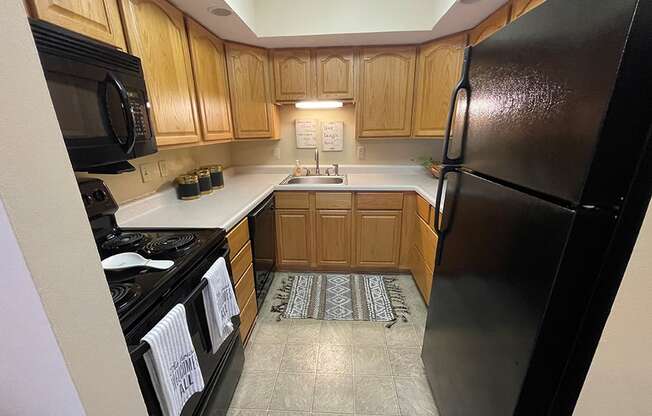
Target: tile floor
(301, 367)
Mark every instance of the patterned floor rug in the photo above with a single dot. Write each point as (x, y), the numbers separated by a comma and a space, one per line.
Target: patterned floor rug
(341, 297)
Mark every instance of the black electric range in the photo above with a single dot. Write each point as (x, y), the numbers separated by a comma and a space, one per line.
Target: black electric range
(142, 296)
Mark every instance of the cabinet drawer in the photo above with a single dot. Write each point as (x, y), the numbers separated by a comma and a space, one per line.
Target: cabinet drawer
(292, 200)
(426, 242)
(423, 208)
(422, 274)
(333, 200)
(238, 236)
(240, 262)
(247, 317)
(379, 200)
(245, 287)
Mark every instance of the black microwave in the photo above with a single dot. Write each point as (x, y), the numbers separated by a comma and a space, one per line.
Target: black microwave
(99, 97)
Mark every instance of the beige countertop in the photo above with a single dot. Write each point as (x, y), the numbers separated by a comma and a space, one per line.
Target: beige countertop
(246, 187)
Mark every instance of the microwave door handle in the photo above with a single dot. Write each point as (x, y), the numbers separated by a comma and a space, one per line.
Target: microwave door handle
(130, 142)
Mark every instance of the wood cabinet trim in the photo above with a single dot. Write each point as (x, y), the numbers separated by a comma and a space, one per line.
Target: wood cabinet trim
(520, 7)
(492, 24)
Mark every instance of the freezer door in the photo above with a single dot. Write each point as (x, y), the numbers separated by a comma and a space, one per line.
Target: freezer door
(549, 102)
(501, 251)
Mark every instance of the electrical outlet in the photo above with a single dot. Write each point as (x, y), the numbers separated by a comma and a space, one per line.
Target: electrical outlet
(277, 152)
(147, 172)
(163, 168)
(361, 152)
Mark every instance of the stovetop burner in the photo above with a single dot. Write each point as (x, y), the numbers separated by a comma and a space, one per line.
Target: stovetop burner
(170, 244)
(125, 242)
(124, 294)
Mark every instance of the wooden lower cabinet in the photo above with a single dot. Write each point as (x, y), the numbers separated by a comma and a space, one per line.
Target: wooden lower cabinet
(294, 238)
(248, 316)
(333, 238)
(377, 238)
(422, 274)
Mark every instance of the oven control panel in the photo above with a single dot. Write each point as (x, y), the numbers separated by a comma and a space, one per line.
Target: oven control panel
(96, 197)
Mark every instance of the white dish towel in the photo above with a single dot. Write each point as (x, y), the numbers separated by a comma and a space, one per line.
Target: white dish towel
(172, 362)
(220, 303)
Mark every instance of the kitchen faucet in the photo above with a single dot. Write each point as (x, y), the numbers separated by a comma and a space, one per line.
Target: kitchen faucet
(317, 162)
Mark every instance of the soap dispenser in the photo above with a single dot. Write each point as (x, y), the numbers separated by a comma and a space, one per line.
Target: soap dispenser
(297, 169)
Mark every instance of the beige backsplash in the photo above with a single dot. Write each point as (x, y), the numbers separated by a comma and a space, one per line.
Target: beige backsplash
(390, 151)
(129, 186)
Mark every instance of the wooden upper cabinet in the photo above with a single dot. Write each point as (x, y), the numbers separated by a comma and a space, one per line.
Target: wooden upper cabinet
(492, 24)
(520, 7)
(334, 69)
(156, 33)
(250, 93)
(439, 67)
(209, 68)
(292, 74)
(385, 91)
(98, 19)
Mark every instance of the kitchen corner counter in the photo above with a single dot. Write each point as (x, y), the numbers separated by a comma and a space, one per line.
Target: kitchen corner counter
(246, 187)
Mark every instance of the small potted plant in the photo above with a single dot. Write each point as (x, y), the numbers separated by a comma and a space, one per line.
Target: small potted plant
(431, 166)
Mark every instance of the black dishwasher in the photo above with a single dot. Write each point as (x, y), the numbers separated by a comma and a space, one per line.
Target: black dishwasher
(262, 232)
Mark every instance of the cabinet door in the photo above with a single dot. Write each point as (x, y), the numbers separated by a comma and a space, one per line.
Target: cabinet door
(156, 33)
(438, 70)
(520, 7)
(377, 238)
(249, 86)
(492, 24)
(385, 91)
(333, 238)
(293, 237)
(292, 74)
(209, 68)
(98, 19)
(335, 73)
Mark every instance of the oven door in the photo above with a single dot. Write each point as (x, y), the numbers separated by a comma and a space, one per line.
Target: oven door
(221, 371)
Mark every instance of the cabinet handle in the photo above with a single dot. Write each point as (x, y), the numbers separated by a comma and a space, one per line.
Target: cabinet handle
(463, 84)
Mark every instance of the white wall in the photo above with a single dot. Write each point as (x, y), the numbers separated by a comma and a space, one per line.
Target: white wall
(42, 202)
(31, 365)
(390, 151)
(620, 378)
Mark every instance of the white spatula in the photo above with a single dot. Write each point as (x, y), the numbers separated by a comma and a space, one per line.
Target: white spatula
(124, 261)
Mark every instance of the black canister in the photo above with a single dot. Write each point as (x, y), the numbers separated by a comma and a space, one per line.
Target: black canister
(205, 184)
(188, 187)
(217, 175)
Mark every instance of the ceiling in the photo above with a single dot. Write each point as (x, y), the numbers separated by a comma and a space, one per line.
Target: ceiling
(296, 23)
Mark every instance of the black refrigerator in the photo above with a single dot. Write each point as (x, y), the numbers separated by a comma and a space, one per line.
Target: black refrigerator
(547, 164)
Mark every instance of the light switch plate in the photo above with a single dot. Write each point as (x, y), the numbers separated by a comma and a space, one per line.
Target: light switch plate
(163, 168)
(147, 172)
(361, 152)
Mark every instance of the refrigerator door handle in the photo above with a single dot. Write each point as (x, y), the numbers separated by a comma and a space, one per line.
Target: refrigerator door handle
(438, 231)
(463, 84)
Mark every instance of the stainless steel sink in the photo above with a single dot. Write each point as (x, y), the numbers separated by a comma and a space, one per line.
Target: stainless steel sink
(314, 180)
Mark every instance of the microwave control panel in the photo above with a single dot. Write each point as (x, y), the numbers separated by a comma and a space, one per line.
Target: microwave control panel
(139, 109)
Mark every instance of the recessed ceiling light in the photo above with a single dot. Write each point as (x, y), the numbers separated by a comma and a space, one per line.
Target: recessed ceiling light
(314, 105)
(219, 11)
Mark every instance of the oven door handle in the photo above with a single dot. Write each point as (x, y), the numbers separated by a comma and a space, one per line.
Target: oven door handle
(129, 142)
(137, 351)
